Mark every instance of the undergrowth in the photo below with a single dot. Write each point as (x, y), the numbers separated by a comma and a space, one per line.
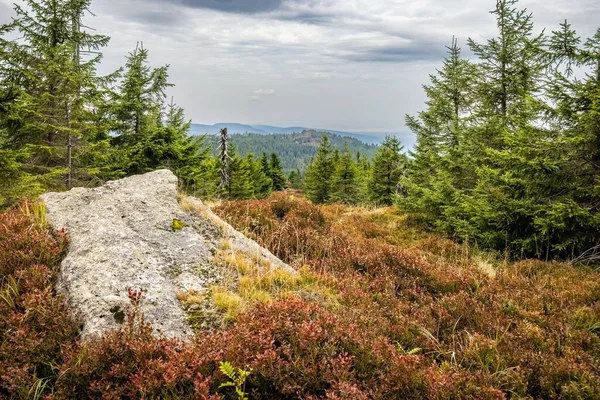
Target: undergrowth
(378, 310)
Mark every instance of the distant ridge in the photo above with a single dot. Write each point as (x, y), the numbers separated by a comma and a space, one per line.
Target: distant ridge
(234, 128)
(295, 150)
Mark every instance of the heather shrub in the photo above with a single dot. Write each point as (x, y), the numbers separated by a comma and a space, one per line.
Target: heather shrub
(379, 310)
(132, 363)
(298, 349)
(34, 322)
(482, 327)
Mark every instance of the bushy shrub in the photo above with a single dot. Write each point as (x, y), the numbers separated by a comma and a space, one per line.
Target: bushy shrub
(525, 329)
(414, 316)
(34, 322)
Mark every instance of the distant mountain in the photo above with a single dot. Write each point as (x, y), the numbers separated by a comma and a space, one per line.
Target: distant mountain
(233, 128)
(200, 129)
(294, 149)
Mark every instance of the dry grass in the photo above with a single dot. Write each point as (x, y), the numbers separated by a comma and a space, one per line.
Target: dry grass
(252, 279)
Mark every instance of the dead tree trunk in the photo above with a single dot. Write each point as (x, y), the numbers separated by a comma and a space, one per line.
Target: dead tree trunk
(224, 154)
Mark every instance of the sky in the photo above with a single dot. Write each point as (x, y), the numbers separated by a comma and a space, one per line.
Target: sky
(353, 65)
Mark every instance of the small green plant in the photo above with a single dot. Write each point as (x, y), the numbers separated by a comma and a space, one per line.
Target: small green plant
(237, 378)
(177, 225)
(36, 210)
(10, 293)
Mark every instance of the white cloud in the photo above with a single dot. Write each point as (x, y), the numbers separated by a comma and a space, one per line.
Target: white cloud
(260, 93)
(339, 64)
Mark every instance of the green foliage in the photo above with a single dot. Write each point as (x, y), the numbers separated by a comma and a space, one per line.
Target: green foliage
(61, 125)
(46, 91)
(295, 150)
(276, 174)
(138, 104)
(507, 148)
(344, 185)
(388, 168)
(295, 178)
(260, 176)
(237, 379)
(317, 183)
(240, 184)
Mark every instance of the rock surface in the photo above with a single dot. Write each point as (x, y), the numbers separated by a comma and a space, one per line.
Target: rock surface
(123, 236)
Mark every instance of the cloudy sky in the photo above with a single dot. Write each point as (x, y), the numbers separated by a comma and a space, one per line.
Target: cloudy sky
(354, 65)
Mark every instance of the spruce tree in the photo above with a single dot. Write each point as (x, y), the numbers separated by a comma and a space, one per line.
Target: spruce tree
(46, 90)
(569, 220)
(266, 166)
(510, 151)
(168, 145)
(363, 175)
(317, 183)
(511, 64)
(522, 174)
(141, 95)
(388, 168)
(206, 180)
(276, 174)
(295, 178)
(261, 182)
(344, 183)
(240, 179)
(438, 169)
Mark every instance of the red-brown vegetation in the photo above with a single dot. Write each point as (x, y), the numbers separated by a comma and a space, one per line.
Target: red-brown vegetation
(414, 316)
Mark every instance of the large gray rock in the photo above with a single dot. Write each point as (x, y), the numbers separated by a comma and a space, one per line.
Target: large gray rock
(122, 237)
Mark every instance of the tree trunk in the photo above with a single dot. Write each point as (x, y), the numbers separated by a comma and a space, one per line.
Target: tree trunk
(224, 149)
(69, 161)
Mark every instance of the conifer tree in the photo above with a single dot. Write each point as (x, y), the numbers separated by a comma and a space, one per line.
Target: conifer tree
(522, 174)
(363, 175)
(266, 166)
(438, 169)
(169, 146)
(276, 174)
(317, 183)
(261, 182)
(388, 168)
(45, 90)
(511, 64)
(569, 219)
(239, 185)
(206, 180)
(139, 103)
(344, 184)
(509, 150)
(295, 179)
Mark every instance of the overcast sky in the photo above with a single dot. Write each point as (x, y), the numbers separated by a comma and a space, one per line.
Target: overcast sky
(355, 65)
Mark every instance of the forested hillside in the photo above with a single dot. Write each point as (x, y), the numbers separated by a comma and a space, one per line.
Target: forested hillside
(235, 128)
(295, 150)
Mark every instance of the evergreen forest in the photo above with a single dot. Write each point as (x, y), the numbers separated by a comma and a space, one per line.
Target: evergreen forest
(507, 154)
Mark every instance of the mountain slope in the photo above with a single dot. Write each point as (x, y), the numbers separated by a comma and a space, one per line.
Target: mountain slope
(233, 128)
(295, 149)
